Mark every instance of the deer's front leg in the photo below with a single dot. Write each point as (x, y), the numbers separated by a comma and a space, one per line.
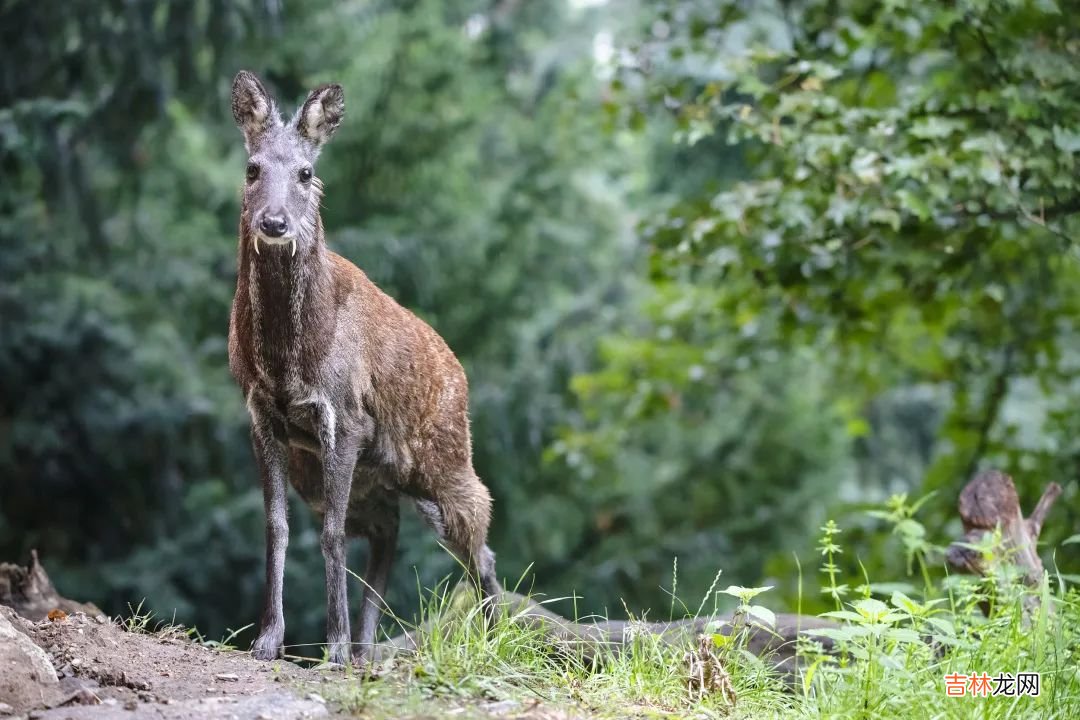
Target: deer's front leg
(273, 461)
(339, 460)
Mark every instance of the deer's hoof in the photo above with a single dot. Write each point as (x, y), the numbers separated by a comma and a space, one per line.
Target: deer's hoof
(365, 665)
(340, 654)
(268, 647)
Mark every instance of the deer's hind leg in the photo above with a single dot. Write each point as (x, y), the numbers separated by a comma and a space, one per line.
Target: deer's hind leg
(460, 512)
(376, 517)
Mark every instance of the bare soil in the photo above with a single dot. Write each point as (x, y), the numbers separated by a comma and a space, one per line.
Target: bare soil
(107, 672)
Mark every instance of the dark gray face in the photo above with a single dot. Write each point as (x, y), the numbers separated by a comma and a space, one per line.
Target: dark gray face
(281, 192)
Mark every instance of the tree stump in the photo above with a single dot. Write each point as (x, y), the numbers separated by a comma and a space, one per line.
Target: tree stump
(30, 592)
(988, 502)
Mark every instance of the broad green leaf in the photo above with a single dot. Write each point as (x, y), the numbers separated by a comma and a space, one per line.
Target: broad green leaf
(763, 614)
(743, 593)
(903, 635)
(871, 608)
(912, 528)
(902, 601)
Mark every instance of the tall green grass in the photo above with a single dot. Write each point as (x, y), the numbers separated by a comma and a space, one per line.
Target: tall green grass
(893, 645)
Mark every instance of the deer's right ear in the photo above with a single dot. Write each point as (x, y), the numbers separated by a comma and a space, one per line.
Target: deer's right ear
(320, 115)
(252, 107)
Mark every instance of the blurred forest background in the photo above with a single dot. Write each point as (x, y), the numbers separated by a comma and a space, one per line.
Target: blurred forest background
(717, 271)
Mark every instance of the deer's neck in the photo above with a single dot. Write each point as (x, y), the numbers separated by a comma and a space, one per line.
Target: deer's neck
(292, 310)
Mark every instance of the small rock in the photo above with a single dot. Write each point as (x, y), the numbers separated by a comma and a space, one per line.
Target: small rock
(82, 696)
(500, 707)
(317, 698)
(6, 709)
(130, 705)
(73, 684)
(110, 701)
(227, 677)
(133, 683)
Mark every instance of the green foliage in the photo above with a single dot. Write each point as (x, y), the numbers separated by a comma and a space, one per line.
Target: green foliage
(901, 247)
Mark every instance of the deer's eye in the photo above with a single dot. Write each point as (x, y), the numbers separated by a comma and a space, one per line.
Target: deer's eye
(305, 175)
(252, 172)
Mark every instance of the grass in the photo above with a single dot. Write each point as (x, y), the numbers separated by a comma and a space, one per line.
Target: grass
(144, 622)
(891, 653)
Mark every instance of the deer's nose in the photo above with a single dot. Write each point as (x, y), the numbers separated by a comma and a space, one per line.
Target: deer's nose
(273, 225)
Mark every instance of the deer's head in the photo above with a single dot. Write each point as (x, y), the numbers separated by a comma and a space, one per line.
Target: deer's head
(281, 193)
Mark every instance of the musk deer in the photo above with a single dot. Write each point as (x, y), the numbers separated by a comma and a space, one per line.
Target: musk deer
(353, 399)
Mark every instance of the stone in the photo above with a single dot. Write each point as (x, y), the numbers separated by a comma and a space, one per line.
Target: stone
(26, 675)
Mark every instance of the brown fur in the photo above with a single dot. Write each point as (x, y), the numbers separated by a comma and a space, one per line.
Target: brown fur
(342, 381)
(404, 380)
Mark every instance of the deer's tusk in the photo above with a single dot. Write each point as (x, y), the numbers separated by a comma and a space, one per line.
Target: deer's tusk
(257, 244)
(294, 247)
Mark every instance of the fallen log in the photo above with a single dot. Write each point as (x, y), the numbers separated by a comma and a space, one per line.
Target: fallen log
(595, 643)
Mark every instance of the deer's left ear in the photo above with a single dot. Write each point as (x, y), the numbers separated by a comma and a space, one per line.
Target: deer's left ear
(253, 108)
(321, 113)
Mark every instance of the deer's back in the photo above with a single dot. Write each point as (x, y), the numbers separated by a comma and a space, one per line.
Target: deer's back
(411, 384)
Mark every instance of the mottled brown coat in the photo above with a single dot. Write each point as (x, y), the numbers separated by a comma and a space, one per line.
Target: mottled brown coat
(354, 400)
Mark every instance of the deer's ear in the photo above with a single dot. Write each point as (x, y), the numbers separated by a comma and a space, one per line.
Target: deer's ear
(252, 107)
(321, 113)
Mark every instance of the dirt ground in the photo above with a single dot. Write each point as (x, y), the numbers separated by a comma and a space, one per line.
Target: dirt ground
(105, 672)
